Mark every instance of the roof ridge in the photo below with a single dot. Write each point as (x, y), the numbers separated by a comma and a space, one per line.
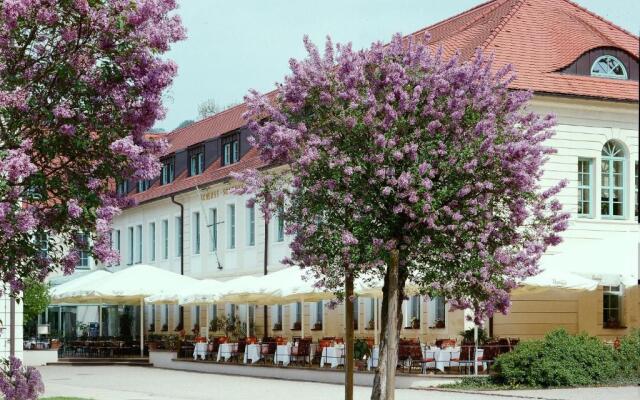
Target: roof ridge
(503, 21)
(606, 21)
(460, 14)
(200, 121)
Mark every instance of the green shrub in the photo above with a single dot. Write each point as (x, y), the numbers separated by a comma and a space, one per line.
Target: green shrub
(629, 355)
(560, 359)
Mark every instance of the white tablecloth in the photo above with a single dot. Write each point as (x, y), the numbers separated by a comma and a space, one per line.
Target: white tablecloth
(442, 357)
(283, 354)
(252, 353)
(226, 350)
(200, 350)
(332, 355)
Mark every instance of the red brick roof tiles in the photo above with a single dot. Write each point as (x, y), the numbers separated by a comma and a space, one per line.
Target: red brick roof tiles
(538, 37)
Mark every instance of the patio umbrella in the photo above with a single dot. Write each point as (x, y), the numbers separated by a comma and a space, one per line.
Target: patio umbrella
(558, 279)
(59, 291)
(201, 292)
(130, 285)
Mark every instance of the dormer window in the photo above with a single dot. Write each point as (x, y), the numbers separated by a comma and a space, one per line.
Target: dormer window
(168, 168)
(196, 160)
(609, 67)
(144, 185)
(230, 149)
(123, 188)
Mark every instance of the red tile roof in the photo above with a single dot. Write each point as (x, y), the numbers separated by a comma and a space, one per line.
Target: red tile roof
(538, 37)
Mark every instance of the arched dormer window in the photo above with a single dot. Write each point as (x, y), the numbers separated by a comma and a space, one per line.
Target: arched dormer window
(613, 180)
(608, 66)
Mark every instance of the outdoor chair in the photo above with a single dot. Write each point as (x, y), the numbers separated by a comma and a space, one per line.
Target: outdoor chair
(268, 350)
(239, 350)
(301, 351)
(321, 345)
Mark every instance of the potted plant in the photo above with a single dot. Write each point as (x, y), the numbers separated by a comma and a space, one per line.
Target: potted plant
(213, 325)
(415, 323)
(297, 326)
(277, 326)
(165, 327)
(371, 325)
(361, 352)
(467, 336)
(439, 324)
(152, 342)
(317, 326)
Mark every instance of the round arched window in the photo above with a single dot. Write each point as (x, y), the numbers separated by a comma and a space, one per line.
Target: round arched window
(613, 180)
(609, 67)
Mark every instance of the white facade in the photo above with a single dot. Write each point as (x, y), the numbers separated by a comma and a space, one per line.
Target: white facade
(597, 246)
(5, 317)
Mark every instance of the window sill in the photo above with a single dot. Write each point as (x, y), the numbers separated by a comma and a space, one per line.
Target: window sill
(316, 329)
(437, 327)
(411, 328)
(618, 327)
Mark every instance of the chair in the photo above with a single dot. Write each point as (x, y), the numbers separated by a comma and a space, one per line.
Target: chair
(268, 350)
(301, 350)
(468, 357)
(252, 340)
(281, 341)
(239, 349)
(404, 354)
(339, 340)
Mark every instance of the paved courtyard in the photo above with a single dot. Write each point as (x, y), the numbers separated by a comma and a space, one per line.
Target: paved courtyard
(138, 383)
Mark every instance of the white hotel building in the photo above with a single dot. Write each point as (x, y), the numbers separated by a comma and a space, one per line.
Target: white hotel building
(580, 67)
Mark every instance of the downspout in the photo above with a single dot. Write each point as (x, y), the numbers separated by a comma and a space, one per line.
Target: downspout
(265, 264)
(173, 200)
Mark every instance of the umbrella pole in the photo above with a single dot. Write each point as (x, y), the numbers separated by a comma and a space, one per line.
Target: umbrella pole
(247, 318)
(141, 327)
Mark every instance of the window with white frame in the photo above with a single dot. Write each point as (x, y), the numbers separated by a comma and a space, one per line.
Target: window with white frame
(196, 160)
(123, 188)
(412, 312)
(152, 241)
(276, 316)
(636, 181)
(295, 315)
(608, 66)
(139, 244)
(164, 317)
(150, 314)
(144, 185)
(280, 225)
(230, 149)
(195, 222)
(213, 230)
(131, 246)
(195, 318)
(178, 236)
(213, 315)
(83, 250)
(369, 311)
(612, 170)
(115, 243)
(167, 172)
(176, 316)
(231, 226)
(165, 239)
(612, 306)
(251, 226)
(317, 310)
(436, 312)
(585, 187)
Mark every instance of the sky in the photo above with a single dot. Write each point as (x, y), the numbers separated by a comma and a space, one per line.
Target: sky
(237, 45)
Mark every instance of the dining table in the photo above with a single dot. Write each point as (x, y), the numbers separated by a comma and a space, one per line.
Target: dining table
(333, 355)
(200, 350)
(283, 354)
(442, 357)
(252, 353)
(226, 350)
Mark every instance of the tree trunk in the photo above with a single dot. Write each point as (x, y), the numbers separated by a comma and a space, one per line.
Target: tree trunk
(391, 324)
(348, 340)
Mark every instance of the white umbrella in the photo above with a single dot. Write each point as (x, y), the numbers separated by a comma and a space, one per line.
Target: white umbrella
(559, 279)
(60, 291)
(206, 291)
(129, 286)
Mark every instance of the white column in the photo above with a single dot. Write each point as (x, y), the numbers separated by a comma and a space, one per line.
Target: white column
(302, 318)
(141, 327)
(375, 320)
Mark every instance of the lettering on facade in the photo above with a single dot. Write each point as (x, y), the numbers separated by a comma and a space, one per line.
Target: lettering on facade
(215, 193)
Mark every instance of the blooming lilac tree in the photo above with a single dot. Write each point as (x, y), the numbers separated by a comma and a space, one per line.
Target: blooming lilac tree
(18, 382)
(408, 166)
(80, 84)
